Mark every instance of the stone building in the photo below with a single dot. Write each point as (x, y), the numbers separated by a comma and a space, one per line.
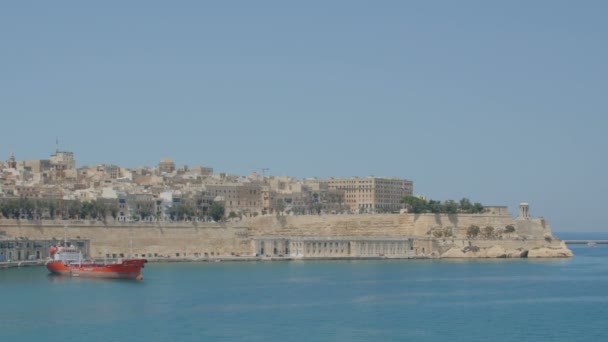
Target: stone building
(27, 191)
(496, 209)
(63, 160)
(202, 170)
(249, 197)
(37, 165)
(226, 193)
(373, 194)
(166, 166)
(111, 171)
(344, 247)
(238, 196)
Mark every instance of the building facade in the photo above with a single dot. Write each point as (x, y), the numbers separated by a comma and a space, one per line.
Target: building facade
(373, 194)
(344, 247)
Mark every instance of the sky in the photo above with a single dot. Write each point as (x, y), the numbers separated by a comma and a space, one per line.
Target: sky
(500, 102)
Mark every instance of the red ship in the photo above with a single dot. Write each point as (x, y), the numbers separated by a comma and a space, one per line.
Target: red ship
(67, 260)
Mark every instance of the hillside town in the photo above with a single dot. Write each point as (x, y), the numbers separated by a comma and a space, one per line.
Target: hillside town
(56, 188)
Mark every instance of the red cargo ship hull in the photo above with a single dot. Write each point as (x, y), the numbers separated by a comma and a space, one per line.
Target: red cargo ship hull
(128, 269)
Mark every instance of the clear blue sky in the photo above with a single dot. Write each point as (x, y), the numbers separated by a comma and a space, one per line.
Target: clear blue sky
(500, 102)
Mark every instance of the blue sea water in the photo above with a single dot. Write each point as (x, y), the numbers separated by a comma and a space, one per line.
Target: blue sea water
(401, 300)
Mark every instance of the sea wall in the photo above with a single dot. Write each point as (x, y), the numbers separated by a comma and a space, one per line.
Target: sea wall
(396, 235)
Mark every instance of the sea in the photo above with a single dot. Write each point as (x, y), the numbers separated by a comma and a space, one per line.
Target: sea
(367, 300)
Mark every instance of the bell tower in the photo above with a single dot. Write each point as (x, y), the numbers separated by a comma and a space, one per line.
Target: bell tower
(12, 163)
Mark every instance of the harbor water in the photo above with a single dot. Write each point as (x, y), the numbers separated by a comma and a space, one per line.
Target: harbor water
(374, 300)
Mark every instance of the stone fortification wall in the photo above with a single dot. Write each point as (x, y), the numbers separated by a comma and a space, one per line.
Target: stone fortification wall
(239, 237)
(390, 225)
(146, 239)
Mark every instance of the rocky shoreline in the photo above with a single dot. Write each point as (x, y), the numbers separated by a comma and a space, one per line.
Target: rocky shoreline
(561, 251)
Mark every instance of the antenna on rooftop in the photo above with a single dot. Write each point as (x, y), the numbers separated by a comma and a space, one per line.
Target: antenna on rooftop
(264, 169)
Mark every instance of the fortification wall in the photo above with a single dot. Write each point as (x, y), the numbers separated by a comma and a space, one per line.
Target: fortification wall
(389, 225)
(237, 238)
(146, 239)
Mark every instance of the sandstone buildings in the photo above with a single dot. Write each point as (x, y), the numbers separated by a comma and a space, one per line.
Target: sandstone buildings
(148, 193)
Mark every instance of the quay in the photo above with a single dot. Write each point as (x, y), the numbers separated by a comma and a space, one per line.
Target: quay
(21, 263)
(585, 242)
(229, 258)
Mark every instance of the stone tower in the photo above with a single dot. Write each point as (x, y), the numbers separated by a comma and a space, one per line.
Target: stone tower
(523, 211)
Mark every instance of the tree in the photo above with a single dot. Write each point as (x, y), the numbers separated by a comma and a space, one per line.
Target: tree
(488, 232)
(509, 229)
(473, 231)
(5, 209)
(102, 210)
(113, 208)
(435, 207)
(88, 210)
(317, 207)
(232, 215)
(216, 211)
(74, 209)
(172, 212)
(15, 210)
(201, 213)
(465, 205)
(27, 207)
(144, 210)
(450, 207)
(414, 204)
(477, 208)
(51, 207)
(280, 205)
(187, 210)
